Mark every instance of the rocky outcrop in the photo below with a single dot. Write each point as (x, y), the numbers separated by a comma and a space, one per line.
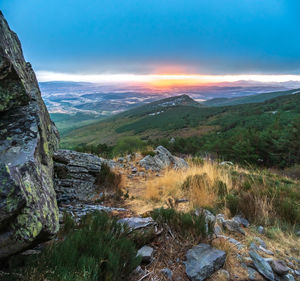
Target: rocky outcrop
(28, 209)
(75, 175)
(162, 159)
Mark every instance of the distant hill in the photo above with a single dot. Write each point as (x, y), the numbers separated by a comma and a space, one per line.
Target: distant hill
(247, 99)
(182, 117)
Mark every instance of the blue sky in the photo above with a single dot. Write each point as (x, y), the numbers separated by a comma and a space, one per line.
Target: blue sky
(154, 36)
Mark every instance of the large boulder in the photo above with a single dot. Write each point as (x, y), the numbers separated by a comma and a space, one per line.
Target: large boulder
(28, 209)
(161, 160)
(75, 175)
(202, 261)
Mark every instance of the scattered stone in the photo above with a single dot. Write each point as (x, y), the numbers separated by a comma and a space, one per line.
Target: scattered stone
(253, 275)
(217, 230)
(268, 252)
(234, 242)
(137, 222)
(146, 254)
(260, 229)
(134, 170)
(279, 267)
(288, 277)
(120, 159)
(233, 226)
(162, 159)
(168, 273)
(208, 217)
(260, 242)
(262, 266)
(226, 163)
(220, 218)
(223, 275)
(202, 261)
(241, 220)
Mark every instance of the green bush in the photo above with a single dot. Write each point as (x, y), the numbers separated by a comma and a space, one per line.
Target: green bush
(128, 145)
(110, 180)
(185, 224)
(232, 201)
(98, 249)
(148, 152)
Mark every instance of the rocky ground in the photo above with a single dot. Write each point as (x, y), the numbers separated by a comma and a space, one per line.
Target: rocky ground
(235, 250)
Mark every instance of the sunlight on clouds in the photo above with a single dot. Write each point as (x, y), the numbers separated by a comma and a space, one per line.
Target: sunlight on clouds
(163, 80)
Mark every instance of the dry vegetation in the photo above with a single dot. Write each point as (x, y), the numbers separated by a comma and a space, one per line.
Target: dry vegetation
(262, 197)
(197, 184)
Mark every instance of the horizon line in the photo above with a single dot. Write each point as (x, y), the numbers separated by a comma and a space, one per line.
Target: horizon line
(50, 76)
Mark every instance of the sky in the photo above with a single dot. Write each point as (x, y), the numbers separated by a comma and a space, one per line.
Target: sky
(152, 37)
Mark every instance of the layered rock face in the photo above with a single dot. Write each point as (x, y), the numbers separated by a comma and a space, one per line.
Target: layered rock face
(75, 175)
(28, 138)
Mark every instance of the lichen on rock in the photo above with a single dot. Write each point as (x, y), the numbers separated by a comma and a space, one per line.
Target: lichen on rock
(28, 139)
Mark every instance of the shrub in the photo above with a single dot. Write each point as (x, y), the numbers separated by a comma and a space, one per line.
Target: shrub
(98, 249)
(148, 152)
(109, 180)
(198, 181)
(185, 224)
(128, 145)
(232, 201)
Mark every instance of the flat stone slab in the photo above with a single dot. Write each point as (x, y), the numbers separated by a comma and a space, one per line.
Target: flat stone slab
(202, 261)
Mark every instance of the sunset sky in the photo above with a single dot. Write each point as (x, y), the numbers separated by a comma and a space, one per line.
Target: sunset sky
(140, 39)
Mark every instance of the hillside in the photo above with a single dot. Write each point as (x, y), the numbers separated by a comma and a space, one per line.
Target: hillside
(248, 99)
(246, 132)
(157, 115)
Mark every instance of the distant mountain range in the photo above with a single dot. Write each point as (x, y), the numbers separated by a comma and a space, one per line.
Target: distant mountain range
(76, 104)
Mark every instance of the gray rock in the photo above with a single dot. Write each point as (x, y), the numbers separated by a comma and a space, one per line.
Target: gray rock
(217, 230)
(262, 265)
(162, 159)
(223, 274)
(233, 226)
(226, 163)
(288, 277)
(135, 223)
(208, 217)
(220, 218)
(253, 275)
(203, 261)
(279, 267)
(260, 229)
(75, 175)
(297, 233)
(241, 220)
(168, 273)
(28, 212)
(232, 241)
(266, 251)
(260, 242)
(146, 254)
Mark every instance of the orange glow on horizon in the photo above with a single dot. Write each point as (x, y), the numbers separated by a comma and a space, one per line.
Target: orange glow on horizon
(163, 80)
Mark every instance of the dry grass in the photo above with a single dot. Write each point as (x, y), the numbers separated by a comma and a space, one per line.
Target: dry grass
(200, 191)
